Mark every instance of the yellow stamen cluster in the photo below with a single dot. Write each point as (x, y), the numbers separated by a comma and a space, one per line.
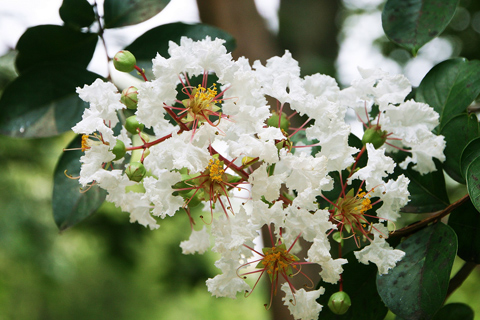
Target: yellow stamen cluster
(366, 203)
(278, 259)
(216, 170)
(85, 143)
(203, 97)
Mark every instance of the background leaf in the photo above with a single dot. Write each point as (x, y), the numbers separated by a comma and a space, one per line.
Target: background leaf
(458, 131)
(469, 153)
(473, 182)
(54, 44)
(77, 13)
(156, 40)
(42, 102)
(450, 87)
(70, 206)
(359, 284)
(120, 13)
(416, 288)
(412, 23)
(455, 311)
(465, 221)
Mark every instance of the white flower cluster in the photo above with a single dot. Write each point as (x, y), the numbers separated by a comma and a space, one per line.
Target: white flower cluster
(213, 141)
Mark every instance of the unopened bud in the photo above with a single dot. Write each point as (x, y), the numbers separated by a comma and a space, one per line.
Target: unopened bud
(129, 97)
(339, 302)
(119, 150)
(374, 135)
(132, 124)
(135, 171)
(284, 123)
(124, 61)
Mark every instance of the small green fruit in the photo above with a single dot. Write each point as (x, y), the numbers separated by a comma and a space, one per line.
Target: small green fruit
(374, 135)
(135, 171)
(129, 98)
(124, 61)
(339, 302)
(119, 150)
(284, 123)
(132, 124)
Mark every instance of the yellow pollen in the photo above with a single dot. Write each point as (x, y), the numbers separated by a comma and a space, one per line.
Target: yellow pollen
(216, 170)
(85, 143)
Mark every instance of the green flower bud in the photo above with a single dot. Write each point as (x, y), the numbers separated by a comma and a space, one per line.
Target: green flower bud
(135, 171)
(374, 135)
(284, 123)
(132, 124)
(124, 61)
(129, 97)
(339, 302)
(119, 150)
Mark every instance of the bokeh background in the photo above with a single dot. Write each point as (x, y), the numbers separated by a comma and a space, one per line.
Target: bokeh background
(107, 268)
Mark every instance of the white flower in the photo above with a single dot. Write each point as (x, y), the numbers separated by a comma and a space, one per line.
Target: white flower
(303, 305)
(319, 253)
(265, 185)
(379, 251)
(159, 192)
(394, 197)
(199, 241)
(92, 162)
(228, 283)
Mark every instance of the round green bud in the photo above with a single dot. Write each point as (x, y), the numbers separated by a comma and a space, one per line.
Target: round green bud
(129, 97)
(124, 61)
(339, 302)
(374, 135)
(119, 150)
(132, 124)
(135, 171)
(284, 123)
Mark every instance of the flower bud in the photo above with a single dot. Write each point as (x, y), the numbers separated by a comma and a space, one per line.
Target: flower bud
(129, 97)
(124, 61)
(132, 124)
(374, 135)
(135, 171)
(339, 302)
(119, 150)
(284, 123)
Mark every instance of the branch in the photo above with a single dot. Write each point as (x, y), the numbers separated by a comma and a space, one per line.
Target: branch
(460, 276)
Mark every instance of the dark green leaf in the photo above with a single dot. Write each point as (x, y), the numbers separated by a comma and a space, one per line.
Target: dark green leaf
(450, 87)
(412, 23)
(465, 221)
(469, 153)
(460, 130)
(455, 311)
(42, 102)
(77, 13)
(473, 182)
(120, 13)
(54, 44)
(156, 40)
(416, 288)
(359, 284)
(70, 205)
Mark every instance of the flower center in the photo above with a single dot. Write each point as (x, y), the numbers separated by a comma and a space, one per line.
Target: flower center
(278, 260)
(216, 170)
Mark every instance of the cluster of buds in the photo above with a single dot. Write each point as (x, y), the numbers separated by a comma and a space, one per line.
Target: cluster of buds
(204, 137)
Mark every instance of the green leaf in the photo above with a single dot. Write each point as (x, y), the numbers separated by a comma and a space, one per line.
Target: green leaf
(473, 182)
(42, 102)
(70, 205)
(359, 284)
(450, 87)
(416, 288)
(156, 40)
(77, 13)
(465, 221)
(54, 44)
(121, 13)
(460, 130)
(469, 153)
(455, 311)
(412, 23)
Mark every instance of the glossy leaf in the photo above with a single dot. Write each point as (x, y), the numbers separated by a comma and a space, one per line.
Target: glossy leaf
(465, 221)
(54, 44)
(412, 23)
(359, 283)
(455, 311)
(156, 40)
(416, 288)
(77, 13)
(473, 182)
(121, 13)
(450, 87)
(469, 153)
(42, 102)
(70, 205)
(460, 130)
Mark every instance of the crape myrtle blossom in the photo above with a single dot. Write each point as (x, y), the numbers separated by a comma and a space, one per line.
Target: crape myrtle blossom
(215, 137)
